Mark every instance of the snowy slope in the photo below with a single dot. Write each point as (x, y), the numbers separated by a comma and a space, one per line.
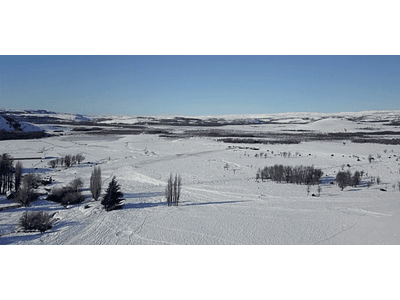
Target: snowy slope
(24, 126)
(5, 125)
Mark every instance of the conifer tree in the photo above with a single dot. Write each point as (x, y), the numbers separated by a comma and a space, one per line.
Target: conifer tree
(113, 197)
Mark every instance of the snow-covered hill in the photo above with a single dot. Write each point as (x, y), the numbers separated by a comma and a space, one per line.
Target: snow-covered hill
(13, 125)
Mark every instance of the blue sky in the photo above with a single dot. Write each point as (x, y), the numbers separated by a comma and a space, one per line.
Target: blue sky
(199, 85)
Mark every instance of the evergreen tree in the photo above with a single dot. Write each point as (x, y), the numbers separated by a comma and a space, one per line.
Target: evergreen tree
(113, 197)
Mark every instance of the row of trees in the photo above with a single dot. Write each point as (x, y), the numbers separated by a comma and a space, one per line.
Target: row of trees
(10, 176)
(67, 161)
(298, 174)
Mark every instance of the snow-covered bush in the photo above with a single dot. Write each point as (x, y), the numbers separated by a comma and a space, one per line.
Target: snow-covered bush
(113, 198)
(95, 183)
(38, 220)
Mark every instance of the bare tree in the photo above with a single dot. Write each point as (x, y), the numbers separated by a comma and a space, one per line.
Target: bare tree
(168, 190)
(67, 160)
(53, 163)
(173, 190)
(18, 175)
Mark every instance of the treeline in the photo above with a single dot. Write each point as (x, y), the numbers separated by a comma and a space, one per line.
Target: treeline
(67, 161)
(20, 135)
(6, 173)
(256, 141)
(289, 174)
(378, 141)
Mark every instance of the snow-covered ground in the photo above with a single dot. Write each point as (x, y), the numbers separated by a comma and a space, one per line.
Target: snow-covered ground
(219, 205)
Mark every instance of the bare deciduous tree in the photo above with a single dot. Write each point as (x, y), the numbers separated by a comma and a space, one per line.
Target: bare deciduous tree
(173, 190)
(18, 175)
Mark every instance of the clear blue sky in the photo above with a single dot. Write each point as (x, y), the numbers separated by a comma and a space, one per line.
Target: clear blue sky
(199, 85)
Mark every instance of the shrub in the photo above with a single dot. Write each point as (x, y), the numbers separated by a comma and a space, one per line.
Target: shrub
(79, 158)
(113, 198)
(70, 194)
(36, 221)
(32, 180)
(53, 163)
(173, 190)
(25, 194)
(95, 183)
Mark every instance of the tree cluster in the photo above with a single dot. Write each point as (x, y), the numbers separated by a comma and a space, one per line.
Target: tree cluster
(173, 190)
(6, 173)
(298, 174)
(67, 161)
(67, 195)
(345, 178)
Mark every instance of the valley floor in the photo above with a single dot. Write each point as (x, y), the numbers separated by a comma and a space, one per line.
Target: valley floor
(221, 202)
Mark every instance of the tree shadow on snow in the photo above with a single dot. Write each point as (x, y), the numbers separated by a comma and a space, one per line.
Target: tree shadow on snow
(142, 195)
(327, 180)
(7, 240)
(213, 202)
(143, 205)
(35, 170)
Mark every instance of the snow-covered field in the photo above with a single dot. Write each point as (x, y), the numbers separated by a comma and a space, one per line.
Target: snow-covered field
(221, 201)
